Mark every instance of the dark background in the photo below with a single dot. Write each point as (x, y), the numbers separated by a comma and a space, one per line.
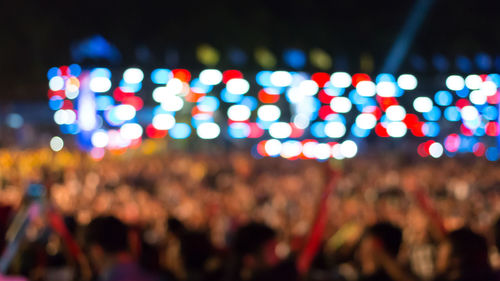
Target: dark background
(36, 35)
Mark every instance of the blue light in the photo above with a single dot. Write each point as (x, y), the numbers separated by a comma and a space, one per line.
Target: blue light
(56, 102)
(318, 129)
(385, 77)
(333, 91)
(431, 129)
(249, 101)
(264, 78)
(237, 56)
(71, 129)
(443, 98)
(264, 124)
(336, 118)
(54, 71)
(464, 64)
(433, 115)
(100, 72)
(463, 93)
(199, 87)
(479, 132)
(201, 118)
(452, 113)
(440, 62)
(399, 92)
(208, 104)
(159, 110)
(161, 76)
(356, 98)
(358, 132)
(492, 153)
(227, 97)
(103, 102)
(75, 69)
(111, 118)
(490, 112)
(483, 61)
(418, 62)
(495, 78)
(239, 130)
(130, 88)
(180, 131)
(368, 102)
(294, 58)
(14, 120)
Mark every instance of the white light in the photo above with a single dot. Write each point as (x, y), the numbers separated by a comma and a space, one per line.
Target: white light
(308, 87)
(341, 104)
(273, 147)
(478, 97)
(131, 131)
(335, 129)
(172, 103)
(210, 77)
(269, 112)
(473, 81)
(340, 79)
(436, 150)
(349, 149)
(291, 149)
(175, 86)
(295, 95)
(100, 139)
(124, 112)
(280, 130)
(407, 82)
(133, 76)
(309, 148)
(100, 84)
(366, 88)
(396, 129)
(489, 88)
(238, 112)
(56, 144)
(56, 83)
(469, 113)
(208, 130)
(64, 116)
(422, 104)
(163, 121)
(159, 94)
(72, 91)
(281, 78)
(237, 86)
(336, 151)
(301, 121)
(366, 121)
(395, 113)
(70, 116)
(386, 89)
(455, 82)
(322, 151)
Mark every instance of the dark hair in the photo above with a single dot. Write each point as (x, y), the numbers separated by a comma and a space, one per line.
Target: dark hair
(470, 248)
(109, 233)
(251, 237)
(390, 236)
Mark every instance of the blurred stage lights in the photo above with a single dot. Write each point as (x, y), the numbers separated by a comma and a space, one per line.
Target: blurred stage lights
(319, 106)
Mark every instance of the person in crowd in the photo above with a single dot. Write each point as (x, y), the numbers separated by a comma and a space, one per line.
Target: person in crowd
(107, 239)
(378, 252)
(463, 256)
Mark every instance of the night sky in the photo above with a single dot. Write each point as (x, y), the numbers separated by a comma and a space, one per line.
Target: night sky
(37, 35)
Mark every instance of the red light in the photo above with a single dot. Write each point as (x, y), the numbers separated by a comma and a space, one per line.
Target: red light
(261, 148)
(154, 133)
(265, 97)
(492, 129)
(194, 97)
(422, 151)
(320, 78)
(64, 70)
(134, 101)
(182, 74)
(324, 111)
(466, 131)
(231, 74)
(483, 77)
(135, 143)
(381, 131)
(494, 99)
(411, 120)
(462, 102)
(358, 77)
(296, 132)
(452, 142)
(386, 102)
(61, 94)
(67, 104)
(416, 130)
(324, 97)
(479, 149)
(255, 131)
(119, 94)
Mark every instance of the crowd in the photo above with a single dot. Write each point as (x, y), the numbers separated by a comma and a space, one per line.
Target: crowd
(228, 216)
